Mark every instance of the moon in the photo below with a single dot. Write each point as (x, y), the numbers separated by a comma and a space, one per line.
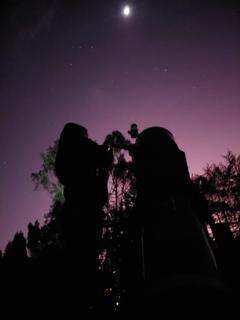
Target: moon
(126, 11)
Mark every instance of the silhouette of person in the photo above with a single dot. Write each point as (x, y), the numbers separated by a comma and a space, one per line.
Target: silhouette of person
(175, 256)
(82, 167)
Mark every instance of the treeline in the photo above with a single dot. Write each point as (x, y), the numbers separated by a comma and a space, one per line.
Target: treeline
(43, 245)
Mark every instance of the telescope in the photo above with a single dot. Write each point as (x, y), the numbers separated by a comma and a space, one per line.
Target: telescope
(124, 146)
(133, 132)
(111, 141)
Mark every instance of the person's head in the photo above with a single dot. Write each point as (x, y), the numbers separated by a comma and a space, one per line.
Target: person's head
(158, 159)
(74, 129)
(153, 141)
(71, 134)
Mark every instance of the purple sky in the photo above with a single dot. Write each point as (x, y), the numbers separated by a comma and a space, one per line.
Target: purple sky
(172, 63)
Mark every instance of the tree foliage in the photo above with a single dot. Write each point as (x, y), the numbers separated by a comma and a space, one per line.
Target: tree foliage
(15, 251)
(45, 178)
(220, 184)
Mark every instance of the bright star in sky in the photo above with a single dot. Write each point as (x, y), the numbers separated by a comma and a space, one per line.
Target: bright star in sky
(126, 11)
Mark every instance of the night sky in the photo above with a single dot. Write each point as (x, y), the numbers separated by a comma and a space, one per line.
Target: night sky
(169, 63)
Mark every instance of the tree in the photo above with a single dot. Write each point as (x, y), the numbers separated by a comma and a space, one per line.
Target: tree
(34, 239)
(121, 176)
(122, 194)
(220, 184)
(16, 251)
(45, 177)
